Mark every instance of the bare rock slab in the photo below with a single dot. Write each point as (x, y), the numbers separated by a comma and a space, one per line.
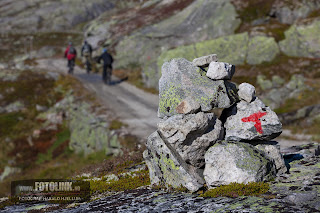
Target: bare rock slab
(191, 135)
(220, 71)
(204, 61)
(228, 162)
(181, 79)
(251, 121)
(167, 168)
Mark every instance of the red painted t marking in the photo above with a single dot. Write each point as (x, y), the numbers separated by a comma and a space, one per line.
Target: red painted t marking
(255, 118)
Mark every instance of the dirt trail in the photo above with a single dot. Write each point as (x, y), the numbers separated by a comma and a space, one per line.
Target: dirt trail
(131, 105)
(137, 108)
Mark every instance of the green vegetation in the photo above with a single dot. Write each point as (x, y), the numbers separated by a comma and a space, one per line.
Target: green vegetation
(14, 43)
(250, 10)
(38, 151)
(8, 121)
(306, 98)
(62, 137)
(130, 181)
(116, 124)
(238, 189)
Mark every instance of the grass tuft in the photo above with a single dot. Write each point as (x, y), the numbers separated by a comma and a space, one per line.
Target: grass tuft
(125, 182)
(116, 124)
(238, 189)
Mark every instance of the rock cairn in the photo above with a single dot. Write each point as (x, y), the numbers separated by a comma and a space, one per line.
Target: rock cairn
(193, 146)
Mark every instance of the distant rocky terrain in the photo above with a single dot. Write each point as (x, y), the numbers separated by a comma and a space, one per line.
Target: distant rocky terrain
(34, 16)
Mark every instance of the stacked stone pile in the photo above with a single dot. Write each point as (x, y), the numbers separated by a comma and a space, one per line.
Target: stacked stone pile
(193, 146)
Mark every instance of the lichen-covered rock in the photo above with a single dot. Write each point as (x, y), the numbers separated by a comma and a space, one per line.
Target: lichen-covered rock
(251, 121)
(247, 92)
(228, 162)
(167, 168)
(89, 133)
(232, 49)
(181, 79)
(302, 40)
(262, 49)
(204, 61)
(191, 135)
(220, 71)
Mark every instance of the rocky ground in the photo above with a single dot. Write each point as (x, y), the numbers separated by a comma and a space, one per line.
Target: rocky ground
(273, 45)
(295, 191)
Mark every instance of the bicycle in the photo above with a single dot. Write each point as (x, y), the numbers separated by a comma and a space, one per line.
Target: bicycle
(71, 65)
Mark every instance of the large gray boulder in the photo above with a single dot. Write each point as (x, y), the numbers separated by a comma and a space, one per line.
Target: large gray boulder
(251, 121)
(192, 135)
(167, 168)
(201, 20)
(228, 162)
(181, 79)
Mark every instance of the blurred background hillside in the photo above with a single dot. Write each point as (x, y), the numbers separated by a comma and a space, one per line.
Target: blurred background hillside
(274, 44)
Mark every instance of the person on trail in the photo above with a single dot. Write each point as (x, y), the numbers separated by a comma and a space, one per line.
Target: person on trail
(107, 66)
(70, 53)
(86, 51)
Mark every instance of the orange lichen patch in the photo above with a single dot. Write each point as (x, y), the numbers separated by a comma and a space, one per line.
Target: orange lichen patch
(181, 107)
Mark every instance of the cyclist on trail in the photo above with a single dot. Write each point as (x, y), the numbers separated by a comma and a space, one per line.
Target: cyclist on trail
(86, 51)
(70, 53)
(107, 66)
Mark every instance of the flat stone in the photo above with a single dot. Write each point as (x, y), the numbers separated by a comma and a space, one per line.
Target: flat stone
(181, 79)
(192, 135)
(228, 162)
(220, 71)
(247, 92)
(251, 121)
(167, 168)
(204, 61)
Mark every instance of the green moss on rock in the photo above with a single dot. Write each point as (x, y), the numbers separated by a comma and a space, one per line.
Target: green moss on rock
(302, 40)
(262, 49)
